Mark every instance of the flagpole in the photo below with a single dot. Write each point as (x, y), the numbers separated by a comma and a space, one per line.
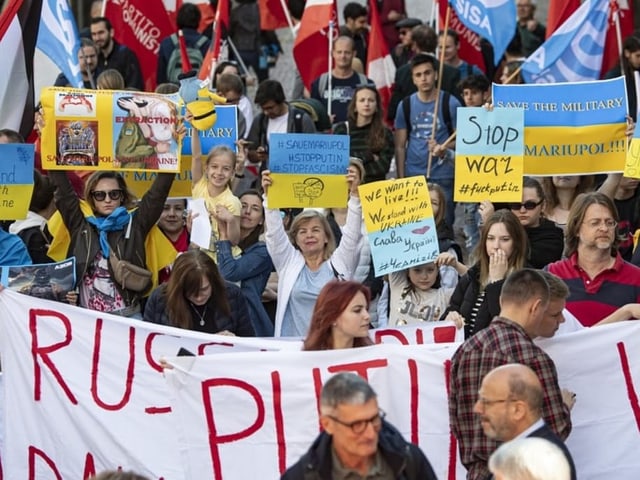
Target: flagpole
(433, 16)
(616, 21)
(285, 9)
(238, 57)
(438, 88)
(329, 96)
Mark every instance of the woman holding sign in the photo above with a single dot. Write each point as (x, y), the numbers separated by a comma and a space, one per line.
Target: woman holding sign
(371, 141)
(306, 259)
(501, 250)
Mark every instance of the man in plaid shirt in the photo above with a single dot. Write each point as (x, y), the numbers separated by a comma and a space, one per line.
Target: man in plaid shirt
(527, 307)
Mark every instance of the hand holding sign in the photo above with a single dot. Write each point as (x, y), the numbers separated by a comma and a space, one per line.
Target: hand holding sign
(489, 155)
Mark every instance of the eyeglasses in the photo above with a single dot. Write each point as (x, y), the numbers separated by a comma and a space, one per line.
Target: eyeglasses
(528, 205)
(485, 402)
(609, 223)
(101, 195)
(360, 426)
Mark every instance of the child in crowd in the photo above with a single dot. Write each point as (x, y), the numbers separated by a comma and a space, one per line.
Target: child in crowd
(213, 183)
(416, 295)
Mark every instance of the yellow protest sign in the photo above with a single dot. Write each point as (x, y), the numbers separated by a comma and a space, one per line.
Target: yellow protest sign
(632, 163)
(399, 222)
(109, 130)
(489, 155)
(305, 191)
(16, 180)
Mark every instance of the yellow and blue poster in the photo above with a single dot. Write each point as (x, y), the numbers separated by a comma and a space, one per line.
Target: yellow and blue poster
(109, 130)
(223, 132)
(16, 180)
(632, 163)
(399, 222)
(570, 128)
(308, 170)
(489, 155)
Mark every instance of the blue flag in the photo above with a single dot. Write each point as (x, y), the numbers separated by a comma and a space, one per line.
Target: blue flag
(574, 52)
(58, 39)
(494, 20)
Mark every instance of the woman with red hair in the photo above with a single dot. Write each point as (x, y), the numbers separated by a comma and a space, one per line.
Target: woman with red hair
(340, 317)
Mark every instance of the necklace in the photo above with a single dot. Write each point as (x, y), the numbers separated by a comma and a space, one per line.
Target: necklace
(200, 315)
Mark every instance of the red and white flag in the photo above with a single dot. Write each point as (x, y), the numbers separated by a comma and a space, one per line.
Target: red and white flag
(311, 48)
(18, 32)
(470, 50)
(141, 26)
(559, 11)
(612, 47)
(380, 66)
(220, 24)
(272, 14)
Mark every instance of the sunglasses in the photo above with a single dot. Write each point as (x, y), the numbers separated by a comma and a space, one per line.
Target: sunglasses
(528, 205)
(101, 195)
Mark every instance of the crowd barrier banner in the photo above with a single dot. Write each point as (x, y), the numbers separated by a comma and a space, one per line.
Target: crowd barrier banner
(399, 222)
(308, 170)
(489, 155)
(571, 128)
(16, 179)
(85, 390)
(133, 130)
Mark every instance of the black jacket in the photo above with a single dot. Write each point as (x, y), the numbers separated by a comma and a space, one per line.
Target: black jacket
(239, 323)
(464, 298)
(548, 434)
(405, 459)
(546, 243)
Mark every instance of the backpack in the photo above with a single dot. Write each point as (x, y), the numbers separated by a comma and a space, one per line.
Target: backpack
(446, 112)
(174, 65)
(316, 110)
(323, 82)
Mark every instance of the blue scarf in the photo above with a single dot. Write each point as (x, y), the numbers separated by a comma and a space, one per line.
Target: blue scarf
(118, 220)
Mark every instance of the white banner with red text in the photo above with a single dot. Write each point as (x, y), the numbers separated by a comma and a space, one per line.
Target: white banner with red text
(84, 391)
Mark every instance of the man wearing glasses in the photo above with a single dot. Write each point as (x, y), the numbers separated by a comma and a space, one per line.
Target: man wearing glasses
(509, 406)
(603, 288)
(357, 442)
(529, 307)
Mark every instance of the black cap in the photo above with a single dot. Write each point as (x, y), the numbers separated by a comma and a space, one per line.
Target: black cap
(408, 23)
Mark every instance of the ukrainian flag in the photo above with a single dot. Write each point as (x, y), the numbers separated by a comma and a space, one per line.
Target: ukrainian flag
(570, 128)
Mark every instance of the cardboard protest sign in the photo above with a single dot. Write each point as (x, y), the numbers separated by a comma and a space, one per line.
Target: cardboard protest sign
(399, 221)
(571, 128)
(489, 155)
(109, 130)
(308, 170)
(16, 180)
(632, 163)
(224, 132)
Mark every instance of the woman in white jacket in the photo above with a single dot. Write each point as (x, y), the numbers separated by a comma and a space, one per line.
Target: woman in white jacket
(306, 258)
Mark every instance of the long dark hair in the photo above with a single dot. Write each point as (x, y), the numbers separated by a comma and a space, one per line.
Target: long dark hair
(333, 299)
(377, 137)
(186, 278)
(254, 236)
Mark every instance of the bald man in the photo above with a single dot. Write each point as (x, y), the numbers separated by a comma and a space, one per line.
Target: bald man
(509, 405)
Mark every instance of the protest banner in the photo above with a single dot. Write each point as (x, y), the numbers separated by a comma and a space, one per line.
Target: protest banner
(50, 281)
(16, 180)
(489, 155)
(399, 221)
(570, 128)
(100, 374)
(308, 170)
(223, 132)
(632, 163)
(132, 131)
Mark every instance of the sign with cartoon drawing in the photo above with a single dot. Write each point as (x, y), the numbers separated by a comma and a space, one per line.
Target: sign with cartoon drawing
(308, 170)
(109, 130)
